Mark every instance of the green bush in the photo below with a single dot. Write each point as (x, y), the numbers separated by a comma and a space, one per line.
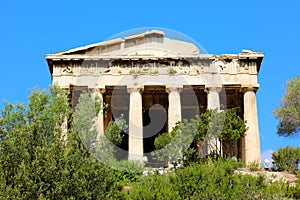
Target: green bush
(297, 188)
(286, 158)
(153, 187)
(254, 166)
(36, 164)
(209, 180)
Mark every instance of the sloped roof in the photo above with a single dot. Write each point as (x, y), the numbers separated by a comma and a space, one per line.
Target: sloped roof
(149, 43)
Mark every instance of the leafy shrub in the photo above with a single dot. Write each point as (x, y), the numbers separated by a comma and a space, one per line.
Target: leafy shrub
(209, 180)
(287, 158)
(36, 164)
(297, 188)
(254, 166)
(162, 140)
(153, 187)
(115, 130)
(131, 170)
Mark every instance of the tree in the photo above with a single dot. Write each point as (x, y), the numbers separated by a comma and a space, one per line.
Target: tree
(287, 158)
(102, 147)
(188, 137)
(36, 164)
(288, 113)
(234, 128)
(172, 147)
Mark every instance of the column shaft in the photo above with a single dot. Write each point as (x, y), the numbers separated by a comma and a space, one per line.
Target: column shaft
(252, 141)
(174, 111)
(98, 96)
(213, 102)
(135, 143)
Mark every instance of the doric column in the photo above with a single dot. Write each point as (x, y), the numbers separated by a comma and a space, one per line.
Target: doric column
(213, 102)
(135, 142)
(174, 111)
(97, 94)
(252, 141)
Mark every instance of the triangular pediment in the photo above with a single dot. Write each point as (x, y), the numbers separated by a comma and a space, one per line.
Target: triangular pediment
(149, 43)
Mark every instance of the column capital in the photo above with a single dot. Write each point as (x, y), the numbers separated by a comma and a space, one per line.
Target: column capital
(102, 90)
(212, 89)
(248, 89)
(97, 90)
(170, 89)
(135, 89)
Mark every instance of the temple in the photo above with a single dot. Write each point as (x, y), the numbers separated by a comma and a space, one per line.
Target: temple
(154, 81)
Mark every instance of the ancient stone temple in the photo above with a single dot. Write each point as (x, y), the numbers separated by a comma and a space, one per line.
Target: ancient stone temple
(154, 81)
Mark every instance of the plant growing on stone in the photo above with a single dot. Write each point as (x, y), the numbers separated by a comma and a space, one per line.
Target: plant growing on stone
(172, 70)
(254, 166)
(154, 72)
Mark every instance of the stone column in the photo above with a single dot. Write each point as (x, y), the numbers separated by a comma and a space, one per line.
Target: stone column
(135, 141)
(174, 111)
(213, 102)
(213, 99)
(98, 95)
(251, 141)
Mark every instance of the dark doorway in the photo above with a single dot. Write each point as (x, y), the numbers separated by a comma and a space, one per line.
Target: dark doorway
(155, 116)
(154, 123)
(117, 100)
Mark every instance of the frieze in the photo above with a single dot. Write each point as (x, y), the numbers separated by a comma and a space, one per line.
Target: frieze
(155, 67)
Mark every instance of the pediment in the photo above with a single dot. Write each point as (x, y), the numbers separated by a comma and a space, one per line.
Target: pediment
(149, 43)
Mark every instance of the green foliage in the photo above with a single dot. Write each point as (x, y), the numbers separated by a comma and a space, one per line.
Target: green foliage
(162, 140)
(101, 147)
(129, 171)
(36, 163)
(114, 130)
(297, 188)
(234, 127)
(254, 166)
(171, 147)
(84, 120)
(100, 105)
(286, 158)
(284, 188)
(203, 125)
(205, 181)
(288, 113)
(172, 70)
(153, 187)
(154, 72)
(210, 180)
(226, 127)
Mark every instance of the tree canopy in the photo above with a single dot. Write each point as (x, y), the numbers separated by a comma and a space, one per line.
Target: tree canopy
(188, 137)
(36, 163)
(288, 113)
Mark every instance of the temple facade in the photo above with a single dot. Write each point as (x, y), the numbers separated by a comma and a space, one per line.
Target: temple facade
(154, 81)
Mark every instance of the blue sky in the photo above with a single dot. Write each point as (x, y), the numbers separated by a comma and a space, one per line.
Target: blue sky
(31, 29)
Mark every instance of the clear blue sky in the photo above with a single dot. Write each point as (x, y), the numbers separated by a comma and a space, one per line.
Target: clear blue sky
(31, 29)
